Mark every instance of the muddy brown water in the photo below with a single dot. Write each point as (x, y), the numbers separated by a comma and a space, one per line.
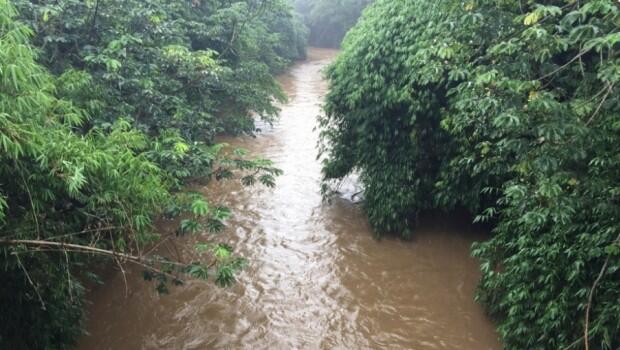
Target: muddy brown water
(316, 279)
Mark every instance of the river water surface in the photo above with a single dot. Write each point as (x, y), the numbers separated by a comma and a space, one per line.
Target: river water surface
(316, 278)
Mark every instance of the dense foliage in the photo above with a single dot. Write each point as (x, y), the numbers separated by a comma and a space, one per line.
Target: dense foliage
(329, 20)
(509, 109)
(106, 109)
(201, 67)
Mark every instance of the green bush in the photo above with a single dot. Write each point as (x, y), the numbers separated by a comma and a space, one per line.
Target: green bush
(509, 109)
(202, 67)
(106, 110)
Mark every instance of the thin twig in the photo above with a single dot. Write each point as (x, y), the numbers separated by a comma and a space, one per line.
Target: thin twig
(162, 241)
(34, 211)
(110, 228)
(609, 90)
(36, 290)
(69, 276)
(120, 266)
(565, 65)
(586, 335)
(81, 248)
(574, 343)
(93, 22)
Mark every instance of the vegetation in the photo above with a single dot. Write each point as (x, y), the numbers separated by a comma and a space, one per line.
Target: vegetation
(509, 109)
(106, 110)
(329, 20)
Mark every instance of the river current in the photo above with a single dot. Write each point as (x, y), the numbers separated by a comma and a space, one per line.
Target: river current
(316, 278)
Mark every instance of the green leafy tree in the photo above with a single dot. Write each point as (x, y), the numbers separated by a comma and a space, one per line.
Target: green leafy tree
(201, 67)
(509, 109)
(102, 120)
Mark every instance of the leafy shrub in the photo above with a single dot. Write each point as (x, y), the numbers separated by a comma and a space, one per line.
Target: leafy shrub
(201, 67)
(92, 152)
(509, 109)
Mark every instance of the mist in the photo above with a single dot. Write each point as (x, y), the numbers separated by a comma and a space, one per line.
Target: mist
(330, 20)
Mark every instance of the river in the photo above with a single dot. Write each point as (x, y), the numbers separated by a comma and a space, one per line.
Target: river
(316, 279)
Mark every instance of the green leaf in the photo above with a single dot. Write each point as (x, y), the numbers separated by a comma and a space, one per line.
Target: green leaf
(200, 207)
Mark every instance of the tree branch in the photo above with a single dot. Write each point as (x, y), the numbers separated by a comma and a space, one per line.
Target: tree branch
(609, 90)
(59, 246)
(586, 331)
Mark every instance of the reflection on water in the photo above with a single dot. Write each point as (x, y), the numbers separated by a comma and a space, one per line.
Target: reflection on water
(316, 277)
